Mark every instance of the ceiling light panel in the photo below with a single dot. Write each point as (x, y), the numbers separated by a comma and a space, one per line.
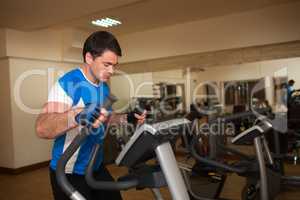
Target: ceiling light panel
(106, 22)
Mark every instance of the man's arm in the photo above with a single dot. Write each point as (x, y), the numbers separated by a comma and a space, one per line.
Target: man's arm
(56, 118)
(117, 118)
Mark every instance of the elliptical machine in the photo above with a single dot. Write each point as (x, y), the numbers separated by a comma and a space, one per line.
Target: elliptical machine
(264, 179)
(272, 180)
(147, 142)
(252, 168)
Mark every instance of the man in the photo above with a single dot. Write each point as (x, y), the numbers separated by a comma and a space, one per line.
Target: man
(291, 93)
(290, 88)
(68, 99)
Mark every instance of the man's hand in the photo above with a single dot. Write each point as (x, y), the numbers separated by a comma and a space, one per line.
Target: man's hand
(140, 118)
(101, 119)
(92, 115)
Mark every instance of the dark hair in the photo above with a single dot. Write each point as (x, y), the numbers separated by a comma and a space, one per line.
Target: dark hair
(291, 82)
(100, 41)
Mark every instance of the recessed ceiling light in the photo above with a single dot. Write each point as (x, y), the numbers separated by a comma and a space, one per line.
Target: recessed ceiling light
(107, 22)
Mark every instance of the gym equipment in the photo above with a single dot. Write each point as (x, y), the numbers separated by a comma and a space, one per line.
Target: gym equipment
(264, 180)
(72, 148)
(275, 179)
(252, 168)
(267, 174)
(147, 142)
(153, 140)
(203, 182)
(294, 129)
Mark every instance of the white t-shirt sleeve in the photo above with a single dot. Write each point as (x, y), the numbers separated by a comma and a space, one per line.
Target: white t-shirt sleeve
(58, 94)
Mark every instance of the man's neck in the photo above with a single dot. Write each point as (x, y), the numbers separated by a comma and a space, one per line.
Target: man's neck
(89, 74)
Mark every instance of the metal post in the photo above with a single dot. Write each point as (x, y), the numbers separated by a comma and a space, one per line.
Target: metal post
(262, 169)
(267, 150)
(171, 171)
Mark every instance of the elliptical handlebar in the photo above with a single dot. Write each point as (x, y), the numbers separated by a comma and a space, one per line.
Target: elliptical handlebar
(105, 185)
(61, 178)
(214, 163)
(262, 124)
(61, 165)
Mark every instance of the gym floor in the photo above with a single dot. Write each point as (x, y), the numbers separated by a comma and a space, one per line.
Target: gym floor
(35, 185)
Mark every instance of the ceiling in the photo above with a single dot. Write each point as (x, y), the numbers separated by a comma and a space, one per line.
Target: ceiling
(38, 14)
(136, 15)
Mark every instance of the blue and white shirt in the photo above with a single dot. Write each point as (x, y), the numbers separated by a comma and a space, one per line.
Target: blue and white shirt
(75, 90)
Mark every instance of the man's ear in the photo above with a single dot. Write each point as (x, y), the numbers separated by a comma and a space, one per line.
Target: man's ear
(89, 58)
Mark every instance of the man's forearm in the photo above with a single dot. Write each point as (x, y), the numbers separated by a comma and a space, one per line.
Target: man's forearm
(117, 118)
(52, 125)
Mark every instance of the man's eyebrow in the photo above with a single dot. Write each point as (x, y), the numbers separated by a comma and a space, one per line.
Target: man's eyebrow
(109, 63)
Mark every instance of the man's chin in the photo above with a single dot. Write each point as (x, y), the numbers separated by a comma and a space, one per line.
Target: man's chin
(105, 79)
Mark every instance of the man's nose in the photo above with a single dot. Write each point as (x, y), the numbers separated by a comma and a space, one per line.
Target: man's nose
(111, 69)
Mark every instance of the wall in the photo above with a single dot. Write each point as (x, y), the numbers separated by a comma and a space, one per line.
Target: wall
(266, 26)
(47, 44)
(252, 70)
(30, 81)
(22, 52)
(31, 52)
(169, 76)
(6, 136)
(43, 44)
(2, 43)
(72, 44)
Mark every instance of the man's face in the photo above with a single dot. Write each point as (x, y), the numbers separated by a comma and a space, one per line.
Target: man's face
(103, 66)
